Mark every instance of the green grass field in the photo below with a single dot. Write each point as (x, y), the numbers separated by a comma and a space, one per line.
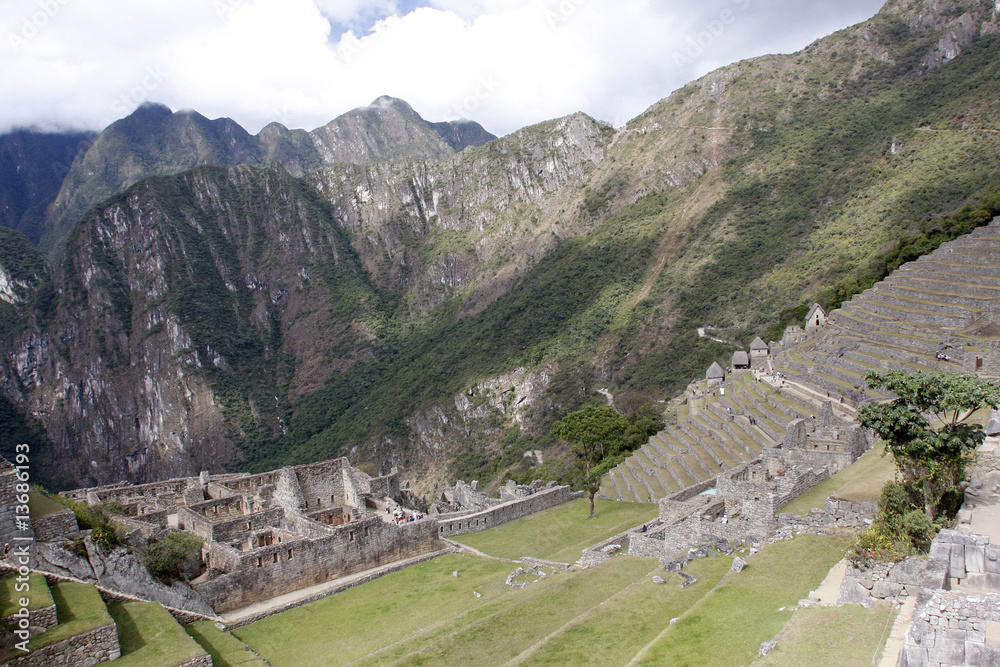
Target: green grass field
(79, 608)
(225, 649)
(727, 626)
(860, 482)
(149, 636)
(38, 594)
(561, 533)
(847, 636)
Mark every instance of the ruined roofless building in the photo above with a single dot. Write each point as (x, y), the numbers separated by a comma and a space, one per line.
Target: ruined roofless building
(279, 531)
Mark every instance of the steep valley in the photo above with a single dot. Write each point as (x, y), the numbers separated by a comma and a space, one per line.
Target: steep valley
(405, 299)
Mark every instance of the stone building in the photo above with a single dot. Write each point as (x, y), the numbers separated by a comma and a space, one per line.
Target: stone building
(741, 360)
(279, 531)
(816, 318)
(758, 349)
(715, 374)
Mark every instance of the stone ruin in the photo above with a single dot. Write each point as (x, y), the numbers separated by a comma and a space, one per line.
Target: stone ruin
(275, 532)
(468, 498)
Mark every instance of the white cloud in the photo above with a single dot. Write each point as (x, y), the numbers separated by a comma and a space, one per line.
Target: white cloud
(504, 63)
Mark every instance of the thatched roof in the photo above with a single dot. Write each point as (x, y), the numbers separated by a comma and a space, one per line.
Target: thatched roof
(715, 372)
(741, 358)
(757, 344)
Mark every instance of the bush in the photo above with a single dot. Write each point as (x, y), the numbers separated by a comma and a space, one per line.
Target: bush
(165, 558)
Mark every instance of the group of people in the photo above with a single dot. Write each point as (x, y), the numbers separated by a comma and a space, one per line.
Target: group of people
(400, 516)
(941, 356)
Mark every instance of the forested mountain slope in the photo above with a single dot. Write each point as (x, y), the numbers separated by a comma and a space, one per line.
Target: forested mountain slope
(427, 309)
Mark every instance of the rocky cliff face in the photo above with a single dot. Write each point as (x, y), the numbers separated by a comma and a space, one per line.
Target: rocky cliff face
(155, 141)
(378, 292)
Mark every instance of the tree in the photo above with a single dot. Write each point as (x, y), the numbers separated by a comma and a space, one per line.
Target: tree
(927, 431)
(593, 431)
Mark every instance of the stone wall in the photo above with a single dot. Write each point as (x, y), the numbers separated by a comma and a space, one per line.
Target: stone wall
(504, 512)
(56, 525)
(953, 628)
(275, 569)
(204, 660)
(324, 485)
(37, 618)
(83, 650)
(8, 495)
(850, 513)
(227, 530)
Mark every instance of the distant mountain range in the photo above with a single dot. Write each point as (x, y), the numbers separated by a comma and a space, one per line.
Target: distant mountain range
(428, 296)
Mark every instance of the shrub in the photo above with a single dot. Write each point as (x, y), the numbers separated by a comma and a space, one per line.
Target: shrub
(164, 559)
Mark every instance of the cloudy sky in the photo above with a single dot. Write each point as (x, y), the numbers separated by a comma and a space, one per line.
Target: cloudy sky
(504, 63)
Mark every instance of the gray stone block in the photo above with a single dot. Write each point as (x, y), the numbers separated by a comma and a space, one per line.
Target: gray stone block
(975, 559)
(851, 592)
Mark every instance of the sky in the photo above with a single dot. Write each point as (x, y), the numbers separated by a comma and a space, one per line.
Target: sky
(81, 64)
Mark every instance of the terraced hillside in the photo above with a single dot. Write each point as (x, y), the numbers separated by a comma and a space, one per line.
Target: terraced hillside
(938, 313)
(130, 633)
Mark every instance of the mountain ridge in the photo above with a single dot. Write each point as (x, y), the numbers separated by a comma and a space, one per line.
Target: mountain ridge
(487, 293)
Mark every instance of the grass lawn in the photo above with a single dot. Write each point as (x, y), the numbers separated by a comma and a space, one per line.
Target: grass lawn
(150, 636)
(728, 625)
(860, 482)
(505, 628)
(79, 608)
(848, 636)
(561, 533)
(38, 594)
(425, 616)
(225, 649)
(402, 605)
(613, 632)
(39, 505)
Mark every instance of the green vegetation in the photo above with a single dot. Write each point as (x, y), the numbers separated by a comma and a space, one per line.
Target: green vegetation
(560, 533)
(40, 505)
(592, 431)
(163, 559)
(100, 518)
(612, 633)
(37, 593)
(848, 636)
(861, 481)
(79, 608)
(929, 432)
(149, 635)
(225, 649)
(931, 460)
(727, 626)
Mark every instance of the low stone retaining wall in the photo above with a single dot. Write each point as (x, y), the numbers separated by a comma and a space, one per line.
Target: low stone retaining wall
(849, 513)
(951, 629)
(204, 660)
(53, 526)
(37, 618)
(501, 514)
(83, 650)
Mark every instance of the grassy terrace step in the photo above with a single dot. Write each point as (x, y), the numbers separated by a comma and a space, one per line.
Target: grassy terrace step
(633, 491)
(962, 284)
(706, 460)
(923, 301)
(79, 608)
(149, 635)
(652, 481)
(643, 487)
(939, 296)
(667, 443)
(38, 594)
(225, 649)
(607, 487)
(659, 447)
(723, 444)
